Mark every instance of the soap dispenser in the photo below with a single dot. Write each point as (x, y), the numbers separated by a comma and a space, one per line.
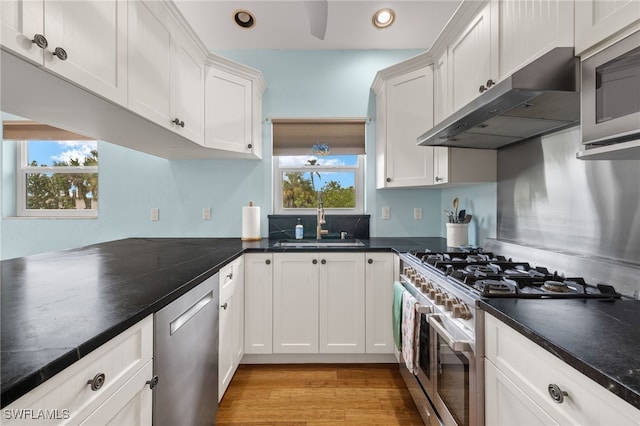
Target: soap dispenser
(299, 230)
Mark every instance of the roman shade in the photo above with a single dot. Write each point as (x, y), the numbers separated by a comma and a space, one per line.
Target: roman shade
(296, 136)
(25, 130)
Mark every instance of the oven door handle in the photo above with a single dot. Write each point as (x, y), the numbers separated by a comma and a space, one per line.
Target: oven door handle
(455, 345)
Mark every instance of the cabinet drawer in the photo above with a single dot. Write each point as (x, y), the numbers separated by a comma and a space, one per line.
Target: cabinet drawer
(532, 369)
(68, 397)
(229, 276)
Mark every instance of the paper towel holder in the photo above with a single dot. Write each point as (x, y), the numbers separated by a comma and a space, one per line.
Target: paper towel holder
(251, 223)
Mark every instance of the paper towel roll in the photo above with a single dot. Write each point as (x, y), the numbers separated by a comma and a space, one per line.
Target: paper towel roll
(251, 223)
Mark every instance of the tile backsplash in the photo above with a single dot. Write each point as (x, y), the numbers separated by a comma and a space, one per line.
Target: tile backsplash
(283, 226)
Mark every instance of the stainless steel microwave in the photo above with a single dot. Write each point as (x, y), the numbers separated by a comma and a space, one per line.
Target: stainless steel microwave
(610, 98)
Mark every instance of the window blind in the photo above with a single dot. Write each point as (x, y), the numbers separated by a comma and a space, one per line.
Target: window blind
(25, 130)
(297, 136)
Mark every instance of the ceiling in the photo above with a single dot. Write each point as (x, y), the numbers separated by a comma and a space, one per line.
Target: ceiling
(286, 24)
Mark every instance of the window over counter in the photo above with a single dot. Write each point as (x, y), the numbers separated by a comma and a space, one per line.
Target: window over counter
(318, 159)
(57, 171)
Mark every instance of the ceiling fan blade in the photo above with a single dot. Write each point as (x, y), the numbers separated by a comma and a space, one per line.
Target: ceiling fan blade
(317, 11)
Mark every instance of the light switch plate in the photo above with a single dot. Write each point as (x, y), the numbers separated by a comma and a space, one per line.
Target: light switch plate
(155, 214)
(417, 213)
(386, 214)
(206, 213)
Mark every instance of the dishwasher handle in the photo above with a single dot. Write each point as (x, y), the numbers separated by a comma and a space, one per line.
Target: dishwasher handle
(182, 319)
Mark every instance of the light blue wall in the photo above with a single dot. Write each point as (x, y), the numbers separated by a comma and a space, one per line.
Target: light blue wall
(300, 84)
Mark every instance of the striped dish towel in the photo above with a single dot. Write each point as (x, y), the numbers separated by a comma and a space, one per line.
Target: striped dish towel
(409, 331)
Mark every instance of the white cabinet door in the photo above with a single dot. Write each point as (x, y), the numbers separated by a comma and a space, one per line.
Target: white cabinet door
(237, 342)
(409, 113)
(93, 33)
(506, 404)
(188, 89)
(225, 342)
(229, 111)
(464, 165)
(150, 62)
(21, 20)
(166, 71)
(295, 303)
(599, 20)
(258, 303)
(472, 60)
(130, 405)
(342, 303)
(379, 276)
(530, 28)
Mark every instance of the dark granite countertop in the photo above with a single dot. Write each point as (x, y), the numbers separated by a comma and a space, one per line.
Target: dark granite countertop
(601, 339)
(57, 307)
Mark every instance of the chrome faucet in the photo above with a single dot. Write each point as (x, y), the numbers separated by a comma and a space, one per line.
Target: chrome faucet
(320, 219)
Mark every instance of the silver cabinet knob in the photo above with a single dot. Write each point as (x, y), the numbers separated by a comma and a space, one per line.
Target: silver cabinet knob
(224, 306)
(40, 41)
(556, 393)
(97, 382)
(152, 383)
(60, 53)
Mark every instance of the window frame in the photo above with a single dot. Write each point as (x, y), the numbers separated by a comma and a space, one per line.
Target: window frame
(359, 186)
(23, 169)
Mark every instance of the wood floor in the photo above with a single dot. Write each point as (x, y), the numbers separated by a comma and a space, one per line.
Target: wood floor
(318, 394)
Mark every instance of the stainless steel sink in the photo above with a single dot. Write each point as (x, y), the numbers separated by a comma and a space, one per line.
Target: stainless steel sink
(319, 243)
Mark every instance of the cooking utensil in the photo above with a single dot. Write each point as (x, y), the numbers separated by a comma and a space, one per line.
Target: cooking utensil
(455, 206)
(467, 218)
(461, 215)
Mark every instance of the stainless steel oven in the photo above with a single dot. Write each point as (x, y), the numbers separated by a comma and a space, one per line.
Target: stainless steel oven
(610, 97)
(447, 369)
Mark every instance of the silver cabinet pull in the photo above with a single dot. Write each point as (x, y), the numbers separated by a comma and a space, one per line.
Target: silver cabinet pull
(455, 345)
(97, 382)
(556, 393)
(224, 306)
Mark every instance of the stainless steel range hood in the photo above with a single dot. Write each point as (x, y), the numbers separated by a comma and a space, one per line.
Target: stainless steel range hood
(541, 97)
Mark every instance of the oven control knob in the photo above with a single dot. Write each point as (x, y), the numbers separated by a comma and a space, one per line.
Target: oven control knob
(433, 293)
(450, 303)
(461, 311)
(425, 287)
(440, 298)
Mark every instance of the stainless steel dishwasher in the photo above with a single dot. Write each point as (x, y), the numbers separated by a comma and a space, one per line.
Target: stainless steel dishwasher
(186, 358)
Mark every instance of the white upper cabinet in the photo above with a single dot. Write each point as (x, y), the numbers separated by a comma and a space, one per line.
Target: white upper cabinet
(233, 105)
(404, 110)
(530, 28)
(440, 87)
(600, 20)
(84, 42)
(461, 166)
(472, 60)
(166, 71)
(502, 37)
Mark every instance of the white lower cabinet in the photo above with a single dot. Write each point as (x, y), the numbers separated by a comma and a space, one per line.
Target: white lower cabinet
(319, 303)
(123, 365)
(518, 375)
(380, 271)
(231, 323)
(258, 303)
(295, 302)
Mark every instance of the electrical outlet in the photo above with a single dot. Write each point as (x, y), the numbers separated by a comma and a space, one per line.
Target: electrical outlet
(206, 213)
(417, 213)
(155, 214)
(386, 214)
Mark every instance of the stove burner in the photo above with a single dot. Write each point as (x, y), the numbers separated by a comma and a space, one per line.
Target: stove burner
(556, 286)
(491, 287)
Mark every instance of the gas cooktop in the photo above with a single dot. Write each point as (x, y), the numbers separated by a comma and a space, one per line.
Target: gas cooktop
(490, 275)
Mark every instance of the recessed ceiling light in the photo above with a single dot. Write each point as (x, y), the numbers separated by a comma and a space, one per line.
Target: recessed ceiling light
(244, 18)
(383, 18)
